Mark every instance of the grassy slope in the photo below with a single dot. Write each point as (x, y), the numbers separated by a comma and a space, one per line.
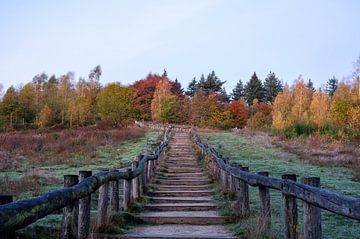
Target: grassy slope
(109, 157)
(258, 158)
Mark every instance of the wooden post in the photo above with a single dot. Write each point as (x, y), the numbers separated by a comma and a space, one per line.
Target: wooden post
(114, 194)
(84, 210)
(312, 214)
(135, 181)
(70, 212)
(5, 199)
(291, 229)
(127, 193)
(103, 203)
(265, 210)
(231, 183)
(242, 196)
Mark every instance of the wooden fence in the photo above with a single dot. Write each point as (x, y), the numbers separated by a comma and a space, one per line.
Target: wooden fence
(158, 126)
(235, 179)
(75, 197)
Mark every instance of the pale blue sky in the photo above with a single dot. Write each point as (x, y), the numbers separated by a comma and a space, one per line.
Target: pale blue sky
(129, 39)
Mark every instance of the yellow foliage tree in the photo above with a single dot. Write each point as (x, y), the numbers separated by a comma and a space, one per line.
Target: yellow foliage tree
(301, 102)
(319, 109)
(163, 89)
(281, 109)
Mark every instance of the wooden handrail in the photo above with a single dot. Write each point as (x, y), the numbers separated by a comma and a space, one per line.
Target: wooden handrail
(334, 202)
(19, 214)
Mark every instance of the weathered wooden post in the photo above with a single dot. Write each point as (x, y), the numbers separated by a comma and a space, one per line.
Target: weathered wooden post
(291, 229)
(265, 210)
(242, 196)
(312, 214)
(84, 210)
(5, 199)
(135, 181)
(127, 193)
(114, 194)
(69, 227)
(103, 203)
(231, 184)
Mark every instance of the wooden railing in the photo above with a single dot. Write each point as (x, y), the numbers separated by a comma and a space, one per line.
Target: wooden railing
(161, 126)
(75, 197)
(235, 179)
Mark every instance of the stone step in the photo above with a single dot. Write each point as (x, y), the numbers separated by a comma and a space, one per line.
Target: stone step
(198, 193)
(182, 217)
(179, 188)
(182, 182)
(181, 206)
(180, 199)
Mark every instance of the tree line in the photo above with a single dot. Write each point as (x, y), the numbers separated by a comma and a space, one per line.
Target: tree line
(290, 110)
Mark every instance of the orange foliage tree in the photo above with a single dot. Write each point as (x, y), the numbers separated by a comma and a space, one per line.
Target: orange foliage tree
(144, 90)
(238, 112)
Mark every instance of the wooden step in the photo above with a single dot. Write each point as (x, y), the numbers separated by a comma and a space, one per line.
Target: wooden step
(182, 182)
(182, 170)
(182, 217)
(198, 193)
(181, 206)
(179, 187)
(181, 174)
(184, 178)
(180, 199)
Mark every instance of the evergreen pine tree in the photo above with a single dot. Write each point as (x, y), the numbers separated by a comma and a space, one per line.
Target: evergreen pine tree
(272, 87)
(192, 88)
(211, 84)
(310, 85)
(165, 74)
(332, 85)
(238, 91)
(254, 90)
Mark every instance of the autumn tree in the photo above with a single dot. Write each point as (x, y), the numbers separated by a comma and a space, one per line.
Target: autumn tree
(319, 109)
(302, 96)
(341, 105)
(238, 91)
(239, 113)
(261, 116)
(203, 106)
(115, 104)
(282, 108)
(169, 110)
(162, 90)
(144, 90)
(272, 87)
(254, 89)
(10, 107)
(27, 103)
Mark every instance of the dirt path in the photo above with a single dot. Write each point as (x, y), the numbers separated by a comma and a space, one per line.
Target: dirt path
(181, 204)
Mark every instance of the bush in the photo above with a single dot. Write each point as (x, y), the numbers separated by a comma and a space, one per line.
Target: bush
(260, 121)
(303, 129)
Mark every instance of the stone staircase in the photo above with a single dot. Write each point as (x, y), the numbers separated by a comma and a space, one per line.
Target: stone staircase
(181, 203)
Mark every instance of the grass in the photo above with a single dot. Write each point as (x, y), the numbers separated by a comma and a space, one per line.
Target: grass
(32, 180)
(36, 180)
(276, 161)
